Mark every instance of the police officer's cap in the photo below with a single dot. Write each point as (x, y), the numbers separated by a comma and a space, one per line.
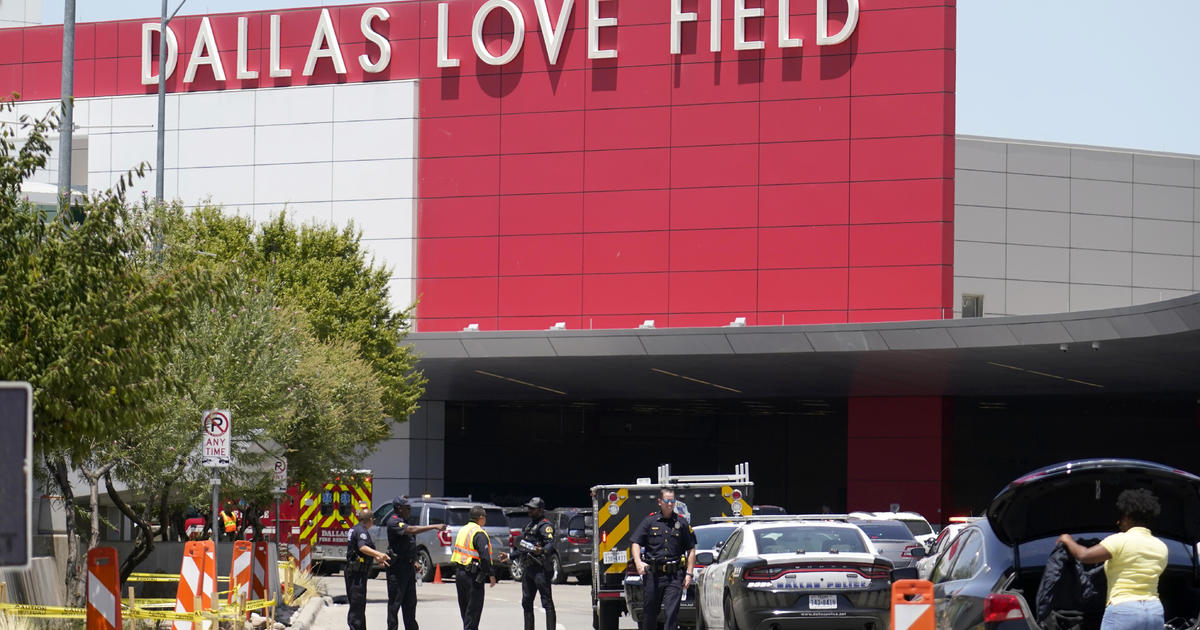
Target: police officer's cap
(536, 503)
(400, 502)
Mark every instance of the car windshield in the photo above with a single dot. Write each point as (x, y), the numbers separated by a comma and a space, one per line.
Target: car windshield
(885, 530)
(495, 517)
(708, 536)
(808, 540)
(917, 527)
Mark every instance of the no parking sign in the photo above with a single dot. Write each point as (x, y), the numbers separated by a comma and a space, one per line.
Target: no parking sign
(215, 448)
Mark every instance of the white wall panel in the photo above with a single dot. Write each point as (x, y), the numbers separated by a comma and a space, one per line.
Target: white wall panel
(302, 213)
(373, 179)
(375, 100)
(401, 292)
(135, 113)
(374, 140)
(394, 253)
(231, 186)
(99, 157)
(284, 144)
(129, 149)
(215, 147)
(384, 218)
(278, 106)
(283, 183)
(225, 108)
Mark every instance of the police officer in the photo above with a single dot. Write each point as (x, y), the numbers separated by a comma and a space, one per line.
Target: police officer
(659, 545)
(533, 551)
(360, 552)
(472, 560)
(402, 550)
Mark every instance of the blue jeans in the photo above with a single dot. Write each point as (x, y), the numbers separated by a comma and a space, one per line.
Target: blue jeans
(1138, 615)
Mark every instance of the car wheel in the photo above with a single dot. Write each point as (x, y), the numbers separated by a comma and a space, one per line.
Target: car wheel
(730, 621)
(516, 571)
(557, 575)
(426, 564)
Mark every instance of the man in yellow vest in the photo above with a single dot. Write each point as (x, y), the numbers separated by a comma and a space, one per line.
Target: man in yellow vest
(229, 519)
(472, 560)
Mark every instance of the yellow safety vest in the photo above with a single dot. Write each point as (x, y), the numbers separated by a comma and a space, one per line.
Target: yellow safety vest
(230, 522)
(464, 545)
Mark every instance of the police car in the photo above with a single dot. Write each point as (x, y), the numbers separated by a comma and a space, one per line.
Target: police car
(795, 572)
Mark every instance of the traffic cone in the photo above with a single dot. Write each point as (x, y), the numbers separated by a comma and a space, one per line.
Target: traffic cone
(437, 574)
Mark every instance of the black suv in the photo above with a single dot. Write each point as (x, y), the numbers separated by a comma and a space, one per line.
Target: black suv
(572, 544)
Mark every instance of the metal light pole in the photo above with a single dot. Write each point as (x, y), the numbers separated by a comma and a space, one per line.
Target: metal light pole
(160, 154)
(67, 123)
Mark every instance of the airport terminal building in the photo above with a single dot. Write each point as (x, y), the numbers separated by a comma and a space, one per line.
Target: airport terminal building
(685, 231)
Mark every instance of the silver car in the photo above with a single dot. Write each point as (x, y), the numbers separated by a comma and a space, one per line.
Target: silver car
(893, 540)
(434, 547)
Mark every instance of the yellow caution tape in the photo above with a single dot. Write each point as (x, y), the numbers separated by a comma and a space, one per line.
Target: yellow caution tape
(163, 577)
(50, 612)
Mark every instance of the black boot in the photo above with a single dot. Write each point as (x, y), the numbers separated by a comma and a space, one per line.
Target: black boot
(528, 620)
(551, 620)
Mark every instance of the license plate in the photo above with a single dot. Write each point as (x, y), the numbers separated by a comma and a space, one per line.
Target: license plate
(616, 557)
(822, 602)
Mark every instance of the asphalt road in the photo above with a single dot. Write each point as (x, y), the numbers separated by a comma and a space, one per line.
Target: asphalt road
(437, 607)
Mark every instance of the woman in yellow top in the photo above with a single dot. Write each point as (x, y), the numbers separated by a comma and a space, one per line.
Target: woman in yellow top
(1133, 561)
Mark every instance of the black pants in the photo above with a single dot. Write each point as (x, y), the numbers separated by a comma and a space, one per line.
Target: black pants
(536, 580)
(661, 591)
(402, 595)
(356, 593)
(470, 598)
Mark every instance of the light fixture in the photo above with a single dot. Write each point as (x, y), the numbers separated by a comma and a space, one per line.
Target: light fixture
(649, 323)
(558, 326)
(738, 322)
(471, 328)
(1095, 345)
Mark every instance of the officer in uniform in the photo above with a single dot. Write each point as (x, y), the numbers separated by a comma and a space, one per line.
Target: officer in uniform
(472, 559)
(360, 552)
(533, 551)
(659, 546)
(402, 552)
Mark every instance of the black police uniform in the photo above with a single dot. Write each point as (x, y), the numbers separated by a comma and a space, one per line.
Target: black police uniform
(665, 542)
(537, 570)
(470, 579)
(358, 568)
(401, 577)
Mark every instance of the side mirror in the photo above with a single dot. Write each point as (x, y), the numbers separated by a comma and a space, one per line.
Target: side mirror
(705, 558)
(918, 553)
(906, 573)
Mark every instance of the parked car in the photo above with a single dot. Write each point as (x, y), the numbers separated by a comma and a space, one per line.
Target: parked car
(795, 574)
(920, 528)
(710, 538)
(991, 572)
(940, 545)
(893, 540)
(572, 543)
(518, 518)
(434, 547)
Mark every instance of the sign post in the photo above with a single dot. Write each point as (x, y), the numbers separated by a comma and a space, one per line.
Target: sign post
(279, 472)
(215, 449)
(16, 474)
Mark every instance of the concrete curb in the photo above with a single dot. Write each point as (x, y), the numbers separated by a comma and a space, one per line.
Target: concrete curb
(307, 615)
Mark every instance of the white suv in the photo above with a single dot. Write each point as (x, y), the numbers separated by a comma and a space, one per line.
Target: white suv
(916, 524)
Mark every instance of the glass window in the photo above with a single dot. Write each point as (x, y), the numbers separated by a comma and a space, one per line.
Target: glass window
(918, 528)
(578, 522)
(970, 559)
(383, 511)
(941, 570)
(785, 539)
(437, 515)
(459, 516)
(885, 530)
(731, 546)
(707, 537)
(972, 305)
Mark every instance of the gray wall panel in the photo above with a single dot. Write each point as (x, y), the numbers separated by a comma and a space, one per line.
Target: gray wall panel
(979, 223)
(1111, 165)
(1154, 169)
(980, 260)
(979, 188)
(1038, 192)
(1035, 159)
(1162, 237)
(992, 290)
(1157, 271)
(1146, 296)
(1095, 231)
(1036, 227)
(1101, 197)
(1163, 202)
(1087, 297)
(980, 155)
(1100, 267)
(1037, 297)
(1027, 262)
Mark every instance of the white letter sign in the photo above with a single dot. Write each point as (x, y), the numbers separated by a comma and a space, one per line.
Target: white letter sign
(823, 38)
(678, 17)
(595, 22)
(147, 43)
(518, 32)
(204, 52)
(385, 47)
(324, 35)
(243, 43)
(553, 35)
(443, 44)
(785, 27)
(215, 445)
(276, 71)
(740, 13)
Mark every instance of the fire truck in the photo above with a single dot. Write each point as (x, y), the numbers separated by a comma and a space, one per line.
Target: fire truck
(327, 513)
(619, 508)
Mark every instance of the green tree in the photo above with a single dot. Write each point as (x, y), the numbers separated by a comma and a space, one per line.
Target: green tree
(80, 321)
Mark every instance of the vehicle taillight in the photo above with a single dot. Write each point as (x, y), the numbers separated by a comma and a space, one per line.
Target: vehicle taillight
(445, 538)
(603, 537)
(512, 538)
(579, 540)
(907, 553)
(763, 573)
(999, 607)
(613, 496)
(737, 494)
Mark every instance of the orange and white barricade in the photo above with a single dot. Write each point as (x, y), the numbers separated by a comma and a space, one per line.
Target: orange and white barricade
(239, 573)
(188, 596)
(305, 556)
(259, 579)
(293, 549)
(912, 605)
(103, 589)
